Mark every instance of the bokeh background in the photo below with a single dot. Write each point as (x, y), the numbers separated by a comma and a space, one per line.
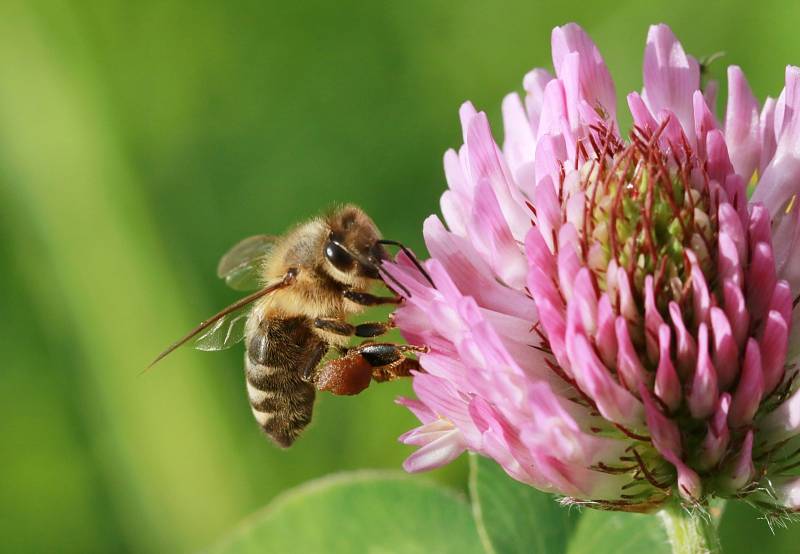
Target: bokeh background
(139, 140)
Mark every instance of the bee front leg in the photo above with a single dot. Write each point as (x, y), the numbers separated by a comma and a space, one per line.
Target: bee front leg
(353, 372)
(367, 299)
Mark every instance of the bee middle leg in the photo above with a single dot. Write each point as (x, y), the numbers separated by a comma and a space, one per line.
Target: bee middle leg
(339, 327)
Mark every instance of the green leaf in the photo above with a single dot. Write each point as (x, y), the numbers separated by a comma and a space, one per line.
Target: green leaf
(516, 518)
(618, 533)
(360, 512)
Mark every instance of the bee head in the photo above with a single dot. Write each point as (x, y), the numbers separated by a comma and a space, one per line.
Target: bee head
(352, 250)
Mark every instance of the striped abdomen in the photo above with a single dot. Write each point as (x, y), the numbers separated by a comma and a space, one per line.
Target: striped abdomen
(279, 354)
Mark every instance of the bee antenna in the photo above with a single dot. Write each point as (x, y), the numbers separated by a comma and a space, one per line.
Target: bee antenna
(394, 281)
(411, 256)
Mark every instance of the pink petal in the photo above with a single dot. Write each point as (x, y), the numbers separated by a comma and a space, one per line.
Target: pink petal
(685, 346)
(761, 279)
(486, 162)
(731, 225)
(569, 75)
(750, 389)
(728, 261)
(466, 113)
(787, 492)
(736, 189)
(441, 449)
(423, 413)
(783, 422)
(773, 344)
(701, 297)
(491, 234)
(426, 433)
(670, 76)
(667, 385)
(555, 117)
(736, 312)
(715, 443)
(585, 301)
(444, 399)
(726, 351)
(786, 109)
(548, 209)
(786, 245)
(596, 85)
(642, 117)
(652, 320)
(568, 261)
(742, 125)
(759, 229)
(664, 432)
(719, 164)
(766, 125)
(690, 486)
(672, 136)
(704, 391)
(741, 470)
(519, 146)
(781, 177)
(554, 429)
(782, 301)
(606, 337)
(704, 121)
(534, 83)
(551, 313)
(710, 93)
(471, 274)
(630, 371)
(627, 303)
(455, 210)
(614, 402)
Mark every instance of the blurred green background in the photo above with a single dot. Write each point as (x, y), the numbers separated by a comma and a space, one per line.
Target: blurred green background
(139, 140)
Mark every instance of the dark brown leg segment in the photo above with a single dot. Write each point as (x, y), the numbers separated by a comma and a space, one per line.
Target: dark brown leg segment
(345, 329)
(367, 299)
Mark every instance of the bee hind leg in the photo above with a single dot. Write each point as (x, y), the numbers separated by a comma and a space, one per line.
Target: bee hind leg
(353, 372)
(317, 353)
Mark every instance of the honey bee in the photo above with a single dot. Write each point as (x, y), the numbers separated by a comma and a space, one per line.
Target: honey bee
(309, 281)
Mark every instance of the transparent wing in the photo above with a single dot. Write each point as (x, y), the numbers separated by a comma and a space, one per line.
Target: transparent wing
(226, 328)
(241, 265)
(225, 332)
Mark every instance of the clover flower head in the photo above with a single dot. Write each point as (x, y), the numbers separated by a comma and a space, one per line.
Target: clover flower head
(610, 316)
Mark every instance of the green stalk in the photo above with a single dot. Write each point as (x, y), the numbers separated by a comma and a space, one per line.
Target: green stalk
(690, 532)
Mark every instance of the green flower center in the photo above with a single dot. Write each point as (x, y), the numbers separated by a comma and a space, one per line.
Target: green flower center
(642, 212)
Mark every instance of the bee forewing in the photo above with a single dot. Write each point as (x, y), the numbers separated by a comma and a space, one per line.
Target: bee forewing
(241, 265)
(225, 332)
(226, 322)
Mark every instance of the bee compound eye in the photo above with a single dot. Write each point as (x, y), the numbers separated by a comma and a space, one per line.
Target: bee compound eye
(338, 256)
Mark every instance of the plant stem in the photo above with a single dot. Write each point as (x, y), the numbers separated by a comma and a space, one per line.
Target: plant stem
(690, 532)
